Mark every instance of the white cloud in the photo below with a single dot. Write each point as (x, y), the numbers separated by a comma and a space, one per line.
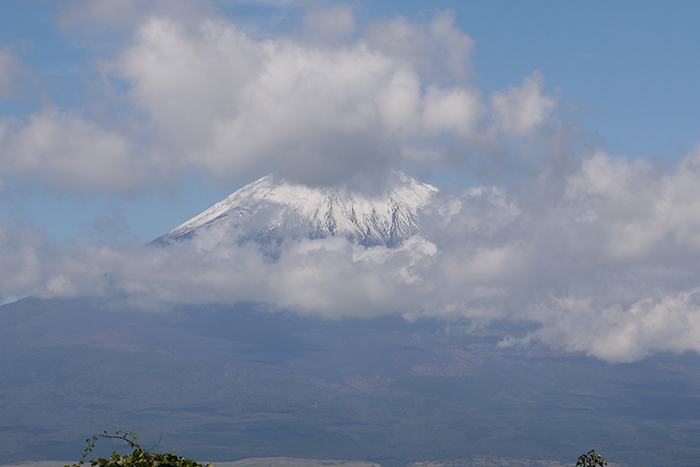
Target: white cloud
(399, 102)
(63, 151)
(438, 51)
(639, 211)
(455, 110)
(221, 101)
(190, 92)
(618, 332)
(521, 110)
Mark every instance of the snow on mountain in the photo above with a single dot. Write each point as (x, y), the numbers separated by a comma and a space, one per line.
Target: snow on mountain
(273, 208)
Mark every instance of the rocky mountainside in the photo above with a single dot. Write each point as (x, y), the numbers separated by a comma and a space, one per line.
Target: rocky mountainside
(273, 208)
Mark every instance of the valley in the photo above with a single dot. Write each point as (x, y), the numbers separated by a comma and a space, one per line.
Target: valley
(226, 383)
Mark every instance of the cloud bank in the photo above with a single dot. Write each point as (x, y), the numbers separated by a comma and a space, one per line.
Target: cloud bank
(608, 268)
(595, 253)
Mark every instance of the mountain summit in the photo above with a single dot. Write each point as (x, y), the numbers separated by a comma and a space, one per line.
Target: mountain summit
(273, 208)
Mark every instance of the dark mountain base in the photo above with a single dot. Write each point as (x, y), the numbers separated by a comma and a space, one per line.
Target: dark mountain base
(228, 383)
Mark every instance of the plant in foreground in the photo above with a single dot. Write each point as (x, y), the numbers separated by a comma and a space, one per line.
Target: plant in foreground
(590, 460)
(139, 458)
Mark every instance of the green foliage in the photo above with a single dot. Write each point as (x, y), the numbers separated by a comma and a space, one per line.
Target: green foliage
(590, 460)
(139, 458)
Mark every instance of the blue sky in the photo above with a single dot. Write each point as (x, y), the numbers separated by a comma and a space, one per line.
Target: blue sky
(566, 133)
(625, 72)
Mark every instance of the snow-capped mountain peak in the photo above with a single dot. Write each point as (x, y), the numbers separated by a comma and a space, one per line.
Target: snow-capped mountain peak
(274, 208)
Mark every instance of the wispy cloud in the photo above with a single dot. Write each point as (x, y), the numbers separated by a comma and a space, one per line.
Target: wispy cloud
(15, 78)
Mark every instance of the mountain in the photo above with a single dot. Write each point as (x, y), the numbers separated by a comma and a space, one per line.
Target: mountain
(220, 383)
(225, 382)
(273, 208)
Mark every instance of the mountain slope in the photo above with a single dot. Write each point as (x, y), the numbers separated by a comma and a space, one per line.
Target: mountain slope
(273, 208)
(227, 382)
